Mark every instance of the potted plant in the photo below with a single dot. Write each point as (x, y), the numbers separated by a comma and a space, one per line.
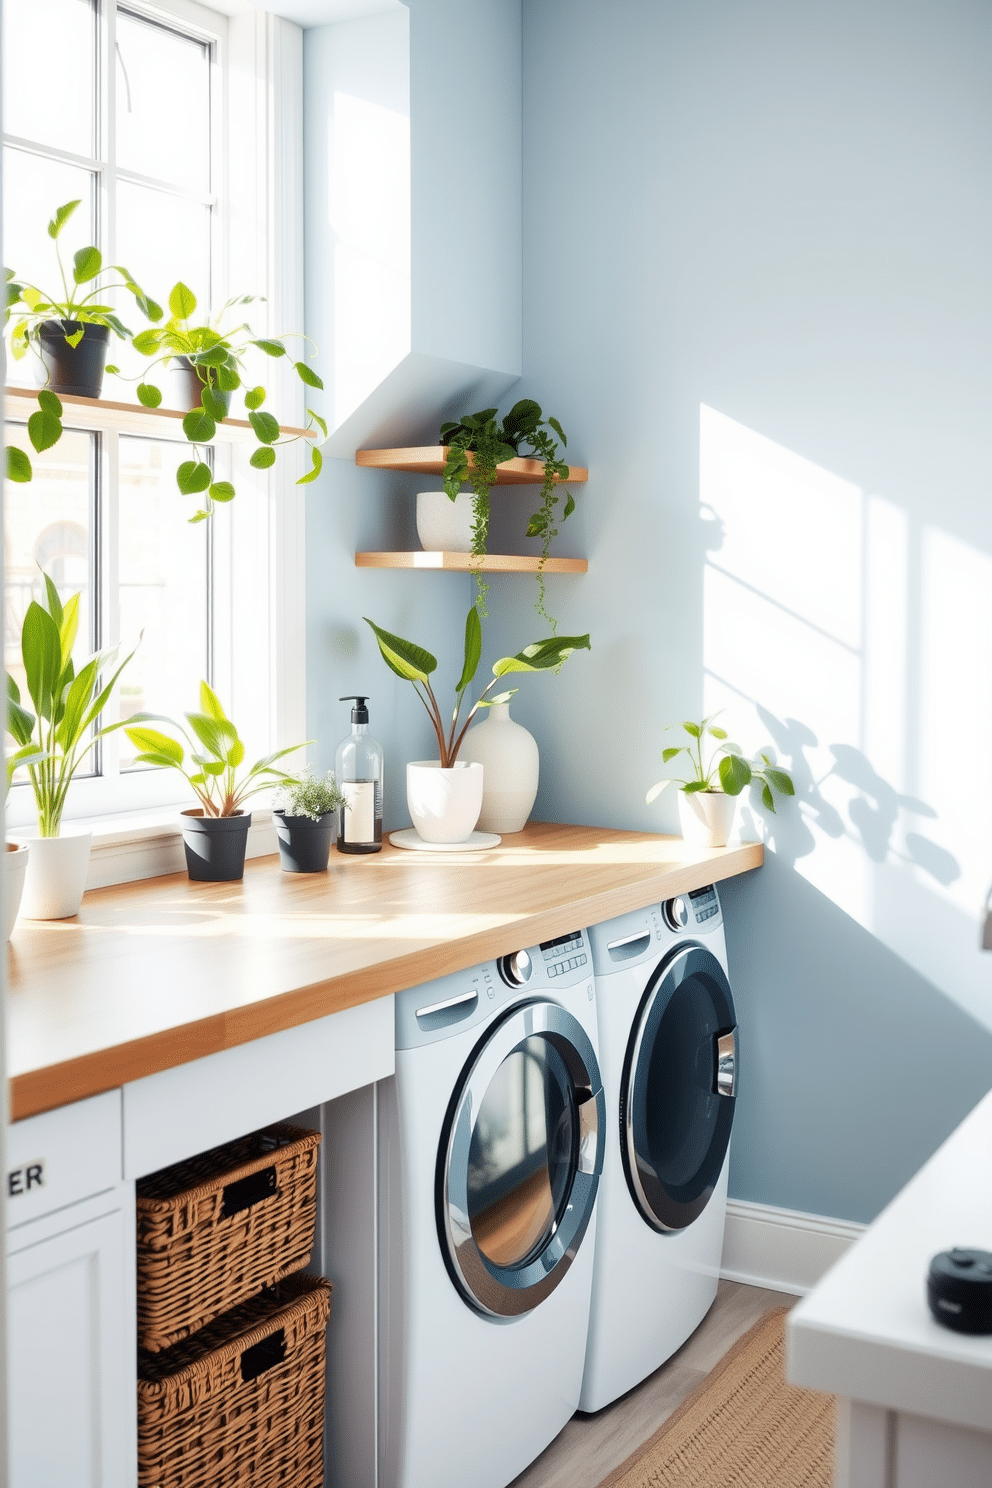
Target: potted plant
(15, 859)
(53, 742)
(215, 833)
(445, 795)
(69, 335)
(213, 357)
(524, 430)
(305, 813)
(708, 799)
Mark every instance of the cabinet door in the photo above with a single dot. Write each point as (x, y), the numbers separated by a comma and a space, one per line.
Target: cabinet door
(72, 1392)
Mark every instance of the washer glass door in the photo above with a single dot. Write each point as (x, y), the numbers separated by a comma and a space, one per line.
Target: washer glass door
(519, 1160)
(678, 1089)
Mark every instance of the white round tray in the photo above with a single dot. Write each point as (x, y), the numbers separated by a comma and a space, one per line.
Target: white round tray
(475, 842)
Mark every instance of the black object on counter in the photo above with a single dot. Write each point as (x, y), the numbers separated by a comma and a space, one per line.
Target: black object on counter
(959, 1290)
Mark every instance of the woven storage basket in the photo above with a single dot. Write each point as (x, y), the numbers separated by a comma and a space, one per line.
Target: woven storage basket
(242, 1401)
(217, 1229)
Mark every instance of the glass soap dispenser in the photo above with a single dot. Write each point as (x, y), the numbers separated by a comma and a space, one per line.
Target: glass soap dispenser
(358, 771)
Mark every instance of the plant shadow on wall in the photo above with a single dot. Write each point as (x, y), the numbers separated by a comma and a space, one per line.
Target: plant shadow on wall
(872, 817)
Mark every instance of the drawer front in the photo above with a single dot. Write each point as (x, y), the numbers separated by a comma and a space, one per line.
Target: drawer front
(62, 1156)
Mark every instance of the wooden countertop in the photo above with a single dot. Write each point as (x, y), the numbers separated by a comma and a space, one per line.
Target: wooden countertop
(154, 974)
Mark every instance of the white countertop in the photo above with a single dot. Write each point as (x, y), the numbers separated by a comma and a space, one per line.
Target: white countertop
(866, 1333)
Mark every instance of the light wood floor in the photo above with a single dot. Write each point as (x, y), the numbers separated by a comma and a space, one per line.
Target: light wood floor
(590, 1447)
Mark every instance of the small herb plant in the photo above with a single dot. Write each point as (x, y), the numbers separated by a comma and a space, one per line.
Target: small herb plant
(218, 356)
(490, 444)
(216, 751)
(724, 768)
(414, 664)
(55, 739)
(83, 303)
(309, 795)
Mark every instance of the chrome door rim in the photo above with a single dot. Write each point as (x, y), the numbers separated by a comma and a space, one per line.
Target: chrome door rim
(509, 1291)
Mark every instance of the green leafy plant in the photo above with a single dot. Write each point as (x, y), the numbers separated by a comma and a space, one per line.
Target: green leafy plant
(85, 291)
(414, 664)
(218, 355)
(724, 768)
(55, 739)
(216, 752)
(307, 794)
(524, 430)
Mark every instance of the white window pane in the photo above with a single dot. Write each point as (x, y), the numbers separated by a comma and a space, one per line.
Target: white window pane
(48, 74)
(163, 585)
(161, 238)
(163, 104)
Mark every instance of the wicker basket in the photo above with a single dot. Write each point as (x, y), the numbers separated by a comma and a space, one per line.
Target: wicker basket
(243, 1401)
(217, 1229)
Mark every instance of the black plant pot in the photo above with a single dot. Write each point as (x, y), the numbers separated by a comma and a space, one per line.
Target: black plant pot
(185, 389)
(304, 844)
(215, 845)
(76, 370)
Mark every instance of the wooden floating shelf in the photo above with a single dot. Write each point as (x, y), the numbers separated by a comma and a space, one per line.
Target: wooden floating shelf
(466, 563)
(430, 460)
(128, 418)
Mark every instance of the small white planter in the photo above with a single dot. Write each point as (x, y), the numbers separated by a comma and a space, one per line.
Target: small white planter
(707, 817)
(444, 526)
(56, 875)
(444, 804)
(15, 860)
(509, 756)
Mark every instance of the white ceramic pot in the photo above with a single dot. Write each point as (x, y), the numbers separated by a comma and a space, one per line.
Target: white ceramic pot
(56, 875)
(15, 860)
(444, 526)
(509, 757)
(707, 817)
(444, 804)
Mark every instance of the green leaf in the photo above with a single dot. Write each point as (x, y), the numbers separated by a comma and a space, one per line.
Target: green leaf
(558, 430)
(48, 401)
(68, 625)
(693, 786)
(18, 464)
(61, 217)
(541, 656)
(54, 603)
(193, 476)
(473, 648)
(228, 379)
(308, 375)
(569, 506)
(199, 428)
(75, 338)
(147, 342)
(213, 356)
(149, 396)
(86, 264)
(320, 422)
(216, 735)
(270, 347)
(766, 797)
(317, 466)
(213, 403)
(669, 754)
(263, 458)
(182, 301)
(266, 427)
(222, 491)
(44, 429)
(20, 722)
(211, 705)
(200, 516)
(41, 651)
(782, 781)
(255, 397)
(735, 774)
(692, 729)
(152, 742)
(404, 658)
(717, 733)
(501, 697)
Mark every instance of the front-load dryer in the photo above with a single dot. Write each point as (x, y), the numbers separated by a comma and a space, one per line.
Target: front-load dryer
(490, 1141)
(668, 1052)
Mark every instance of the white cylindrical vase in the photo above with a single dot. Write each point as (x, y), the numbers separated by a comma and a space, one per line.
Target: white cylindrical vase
(707, 817)
(56, 875)
(443, 525)
(509, 756)
(15, 861)
(444, 803)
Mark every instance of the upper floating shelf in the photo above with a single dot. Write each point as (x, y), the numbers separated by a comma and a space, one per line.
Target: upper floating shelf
(126, 418)
(430, 460)
(466, 563)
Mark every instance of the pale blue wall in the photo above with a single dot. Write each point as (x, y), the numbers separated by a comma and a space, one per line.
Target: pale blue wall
(782, 214)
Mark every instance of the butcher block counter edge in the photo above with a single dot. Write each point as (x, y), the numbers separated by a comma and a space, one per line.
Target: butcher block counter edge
(155, 974)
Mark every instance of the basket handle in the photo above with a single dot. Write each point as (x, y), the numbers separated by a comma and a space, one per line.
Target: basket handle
(247, 1191)
(263, 1356)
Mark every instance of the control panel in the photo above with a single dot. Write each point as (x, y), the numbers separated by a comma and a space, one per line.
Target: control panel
(566, 953)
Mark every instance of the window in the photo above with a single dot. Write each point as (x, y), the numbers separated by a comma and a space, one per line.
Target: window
(132, 121)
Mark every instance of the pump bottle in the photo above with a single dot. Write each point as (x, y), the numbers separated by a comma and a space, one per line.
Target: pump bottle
(358, 770)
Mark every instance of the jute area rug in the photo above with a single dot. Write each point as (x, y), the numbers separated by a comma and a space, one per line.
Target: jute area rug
(743, 1428)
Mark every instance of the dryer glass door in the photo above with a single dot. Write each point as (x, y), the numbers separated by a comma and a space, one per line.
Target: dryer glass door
(519, 1160)
(679, 1088)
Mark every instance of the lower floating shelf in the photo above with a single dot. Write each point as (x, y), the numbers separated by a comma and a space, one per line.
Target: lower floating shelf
(465, 563)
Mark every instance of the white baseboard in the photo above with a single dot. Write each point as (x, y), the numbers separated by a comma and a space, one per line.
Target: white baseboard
(782, 1249)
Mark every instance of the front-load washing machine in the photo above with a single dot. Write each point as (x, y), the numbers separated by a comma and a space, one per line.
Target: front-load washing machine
(490, 1141)
(668, 1052)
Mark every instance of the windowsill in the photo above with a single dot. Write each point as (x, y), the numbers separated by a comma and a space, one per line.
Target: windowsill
(148, 844)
